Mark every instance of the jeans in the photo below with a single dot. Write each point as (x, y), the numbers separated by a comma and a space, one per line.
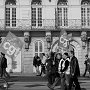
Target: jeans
(67, 80)
(63, 83)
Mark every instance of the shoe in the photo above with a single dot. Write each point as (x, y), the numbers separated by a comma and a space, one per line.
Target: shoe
(49, 86)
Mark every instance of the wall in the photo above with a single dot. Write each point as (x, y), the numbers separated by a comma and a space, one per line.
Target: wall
(2, 14)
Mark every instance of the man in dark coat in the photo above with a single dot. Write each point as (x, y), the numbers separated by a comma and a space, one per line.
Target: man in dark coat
(50, 69)
(37, 64)
(87, 65)
(74, 71)
(4, 66)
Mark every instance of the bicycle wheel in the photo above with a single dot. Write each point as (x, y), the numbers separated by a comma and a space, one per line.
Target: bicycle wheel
(3, 84)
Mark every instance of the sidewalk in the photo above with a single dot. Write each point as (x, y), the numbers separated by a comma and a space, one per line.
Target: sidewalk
(22, 74)
(34, 75)
(19, 81)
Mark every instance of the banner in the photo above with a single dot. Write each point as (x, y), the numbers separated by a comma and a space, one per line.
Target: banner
(11, 45)
(64, 40)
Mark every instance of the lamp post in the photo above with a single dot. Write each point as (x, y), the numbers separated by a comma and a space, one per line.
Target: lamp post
(26, 40)
(48, 39)
(83, 39)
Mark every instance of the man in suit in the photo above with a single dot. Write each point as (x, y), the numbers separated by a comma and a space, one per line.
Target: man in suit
(74, 71)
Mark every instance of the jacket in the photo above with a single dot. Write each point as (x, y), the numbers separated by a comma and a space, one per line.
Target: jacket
(4, 62)
(64, 66)
(36, 62)
(49, 66)
(74, 67)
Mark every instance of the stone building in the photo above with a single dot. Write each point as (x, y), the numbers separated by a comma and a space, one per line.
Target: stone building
(38, 23)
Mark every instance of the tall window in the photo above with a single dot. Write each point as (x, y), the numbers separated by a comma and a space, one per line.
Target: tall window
(62, 13)
(36, 13)
(85, 13)
(10, 13)
(39, 48)
(36, 17)
(85, 16)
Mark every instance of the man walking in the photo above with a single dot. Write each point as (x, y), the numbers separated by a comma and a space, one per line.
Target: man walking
(74, 71)
(87, 65)
(4, 66)
(64, 69)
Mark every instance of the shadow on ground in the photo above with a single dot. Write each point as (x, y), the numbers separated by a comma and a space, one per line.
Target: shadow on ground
(27, 79)
(35, 85)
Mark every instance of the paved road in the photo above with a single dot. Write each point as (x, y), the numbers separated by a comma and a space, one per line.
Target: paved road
(39, 83)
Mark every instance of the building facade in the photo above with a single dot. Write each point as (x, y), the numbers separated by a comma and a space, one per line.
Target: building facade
(38, 23)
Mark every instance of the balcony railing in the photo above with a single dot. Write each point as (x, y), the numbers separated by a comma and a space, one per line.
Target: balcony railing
(52, 24)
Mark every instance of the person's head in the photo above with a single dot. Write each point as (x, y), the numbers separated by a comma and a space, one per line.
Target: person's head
(65, 55)
(47, 56)
(2, 54)
(71, 53)
(36, 55)
(58, 56)
(43, 54)
(86, 56)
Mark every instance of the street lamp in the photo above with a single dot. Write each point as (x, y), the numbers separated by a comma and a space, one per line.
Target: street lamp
(48, 39)
(26, 40)
(83, 39)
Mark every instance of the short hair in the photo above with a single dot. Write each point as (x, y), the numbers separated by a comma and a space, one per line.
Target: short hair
(86, 55)
(43, 54)
(58, 54)
(3, 54)
(72, 52)
(66, 54)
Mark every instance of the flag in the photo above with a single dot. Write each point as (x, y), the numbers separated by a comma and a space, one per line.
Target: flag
(64, 40)
(11, 45)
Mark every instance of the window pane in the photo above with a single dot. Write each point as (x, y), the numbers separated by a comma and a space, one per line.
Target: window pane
(39, 16)
(59, 16)
(40, 47)
(36, 47)
(33, 16)
(88, 16)
(7, 16)
(65, 17)
(83, 16)
(13, 17)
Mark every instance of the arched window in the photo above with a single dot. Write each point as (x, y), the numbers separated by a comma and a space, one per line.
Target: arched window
(10, 13)
(39, 48)
(85, 13)
(62, 13)
(36, 13)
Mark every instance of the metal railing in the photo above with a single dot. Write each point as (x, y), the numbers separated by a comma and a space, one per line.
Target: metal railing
(26, 24)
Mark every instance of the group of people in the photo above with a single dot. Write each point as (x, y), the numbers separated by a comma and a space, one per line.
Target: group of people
(39, 65)
(3, 66)
(60, 67)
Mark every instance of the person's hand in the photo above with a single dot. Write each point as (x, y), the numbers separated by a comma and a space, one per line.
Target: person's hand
(72, 74)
